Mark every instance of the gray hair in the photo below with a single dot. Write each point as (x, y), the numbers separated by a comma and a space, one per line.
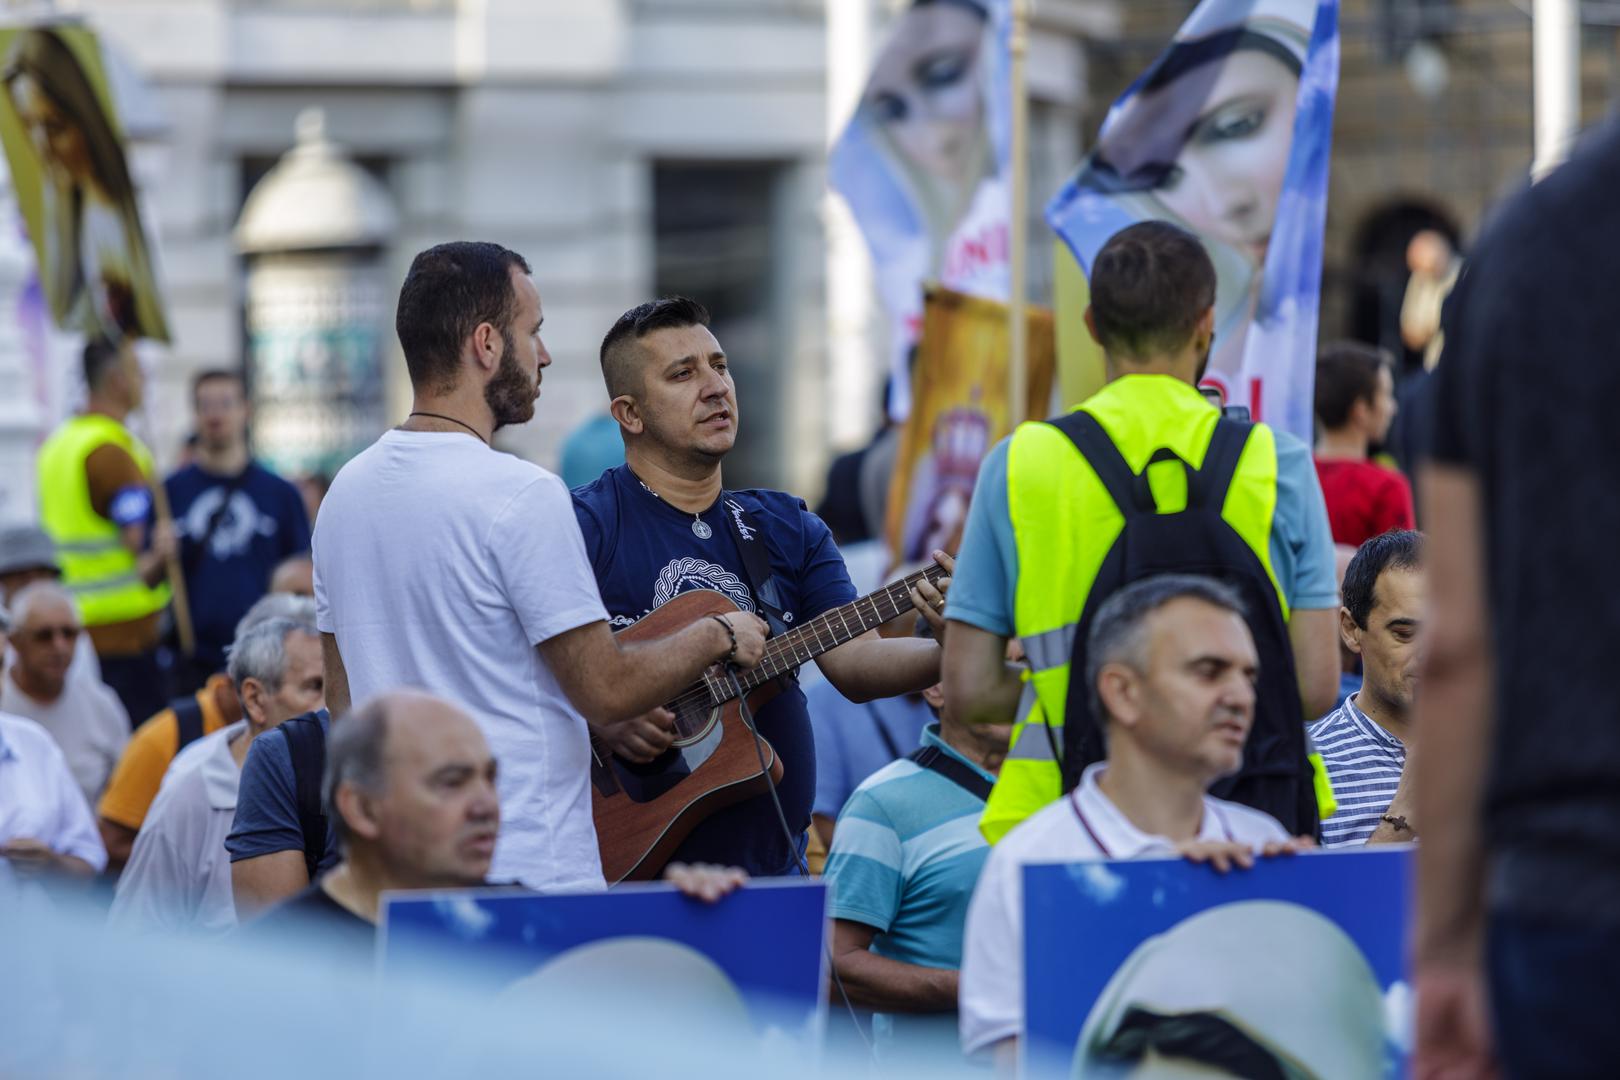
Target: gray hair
(278, 606)
(261, 652)
(355, 746)
(22, 605)
(1119, 629)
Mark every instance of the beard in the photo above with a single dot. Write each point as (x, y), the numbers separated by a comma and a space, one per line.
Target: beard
(510, 394)
(1203, 361)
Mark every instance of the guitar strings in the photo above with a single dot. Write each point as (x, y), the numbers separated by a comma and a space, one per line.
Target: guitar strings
(703, 696)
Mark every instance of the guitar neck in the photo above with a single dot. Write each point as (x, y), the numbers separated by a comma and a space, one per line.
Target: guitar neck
(829, 630)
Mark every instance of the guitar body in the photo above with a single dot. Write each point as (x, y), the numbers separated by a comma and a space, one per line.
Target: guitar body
(644, 812)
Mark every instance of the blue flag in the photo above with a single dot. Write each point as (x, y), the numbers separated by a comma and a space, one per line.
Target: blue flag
(1228, 134)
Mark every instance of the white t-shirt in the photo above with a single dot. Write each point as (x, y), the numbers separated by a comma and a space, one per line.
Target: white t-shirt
(440, 564)
(38, 798)
(1083, 826)
(87, 721)
(179, 873)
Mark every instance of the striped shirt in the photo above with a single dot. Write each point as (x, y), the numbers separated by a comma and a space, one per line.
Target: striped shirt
(905, 856)
(1364, 762)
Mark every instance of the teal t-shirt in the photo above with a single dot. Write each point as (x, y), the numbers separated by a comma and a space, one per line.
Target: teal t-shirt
(983, 586)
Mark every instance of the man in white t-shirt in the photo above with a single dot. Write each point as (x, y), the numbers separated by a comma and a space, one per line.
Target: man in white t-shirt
(1171, 667)
(179, 873)
(82, 714)
(444, 565)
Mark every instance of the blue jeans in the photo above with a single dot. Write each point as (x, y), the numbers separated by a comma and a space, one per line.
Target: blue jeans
(1555, 998)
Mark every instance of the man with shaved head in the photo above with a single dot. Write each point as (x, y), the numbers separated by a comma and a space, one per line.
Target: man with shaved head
(83, 716)
(663, 524)
(410, 787)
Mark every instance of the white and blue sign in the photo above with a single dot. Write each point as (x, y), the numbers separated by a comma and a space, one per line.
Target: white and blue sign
(754, 959)
(1293, 968)
(923, 164)
(1228, 134)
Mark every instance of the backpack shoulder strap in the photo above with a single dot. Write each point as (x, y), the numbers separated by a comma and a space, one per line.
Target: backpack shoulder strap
(1208, 486)
(307, 744)
(188, 719)
(936, 760)
(1105, 460)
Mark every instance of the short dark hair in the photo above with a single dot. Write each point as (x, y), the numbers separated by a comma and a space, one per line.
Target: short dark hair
(1397, 549)
(100, 358)
(1150, 284)
(1116, 630)
(618, 370)
(449, 290)
(208, 375)
(355, 748)
(1347, 372)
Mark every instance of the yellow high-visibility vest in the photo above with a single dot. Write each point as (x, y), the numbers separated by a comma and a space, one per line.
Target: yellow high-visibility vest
(96, 566)
(1064, 523)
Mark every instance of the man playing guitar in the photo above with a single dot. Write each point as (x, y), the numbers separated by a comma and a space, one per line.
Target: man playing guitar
(663, 524)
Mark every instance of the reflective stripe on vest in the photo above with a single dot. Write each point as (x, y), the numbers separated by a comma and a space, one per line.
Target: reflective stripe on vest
(1064, 524)
(96, 566)
(1033, 783)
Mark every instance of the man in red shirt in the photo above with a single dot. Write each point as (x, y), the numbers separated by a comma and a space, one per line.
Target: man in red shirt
(1355, 403)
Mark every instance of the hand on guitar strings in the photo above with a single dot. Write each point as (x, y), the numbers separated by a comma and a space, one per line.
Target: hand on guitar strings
(639, 739)
(702, 881)
(749, 632)
(930, 597)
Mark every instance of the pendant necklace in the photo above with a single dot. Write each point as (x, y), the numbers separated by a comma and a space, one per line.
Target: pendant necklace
(700, 528)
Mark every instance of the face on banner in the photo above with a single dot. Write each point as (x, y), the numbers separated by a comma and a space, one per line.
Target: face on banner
(920, 165)
(1225, 136)
(1160, 967)
(65, 148)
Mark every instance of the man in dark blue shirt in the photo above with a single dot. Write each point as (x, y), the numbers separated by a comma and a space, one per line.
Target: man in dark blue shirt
(236, 521)
(662, 524)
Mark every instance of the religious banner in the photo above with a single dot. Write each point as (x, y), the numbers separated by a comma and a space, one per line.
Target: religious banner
(63, 141)
(1228, 134)
(923, 164)
(1296, 967)
(753, 962)
(959, 391)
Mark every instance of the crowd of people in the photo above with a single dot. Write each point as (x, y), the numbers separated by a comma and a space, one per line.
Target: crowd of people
(1167, 631)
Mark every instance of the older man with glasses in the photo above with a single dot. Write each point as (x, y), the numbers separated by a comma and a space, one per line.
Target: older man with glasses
(82, 715)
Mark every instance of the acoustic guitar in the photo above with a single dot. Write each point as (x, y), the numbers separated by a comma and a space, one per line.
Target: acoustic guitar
(644, 811)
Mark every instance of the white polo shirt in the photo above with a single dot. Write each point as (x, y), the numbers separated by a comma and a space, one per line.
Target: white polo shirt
(39, 799)
(179, 873)
(1084, 826)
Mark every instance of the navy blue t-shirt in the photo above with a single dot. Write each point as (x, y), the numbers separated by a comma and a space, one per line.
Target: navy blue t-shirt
(264, 523)
(267, 818)
(644, 552)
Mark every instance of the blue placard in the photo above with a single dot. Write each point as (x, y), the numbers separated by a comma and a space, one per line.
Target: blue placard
(1300, 959)
(759, 951)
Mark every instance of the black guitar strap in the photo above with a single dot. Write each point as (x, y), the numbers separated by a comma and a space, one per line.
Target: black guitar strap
(745, 530)
(937, 760)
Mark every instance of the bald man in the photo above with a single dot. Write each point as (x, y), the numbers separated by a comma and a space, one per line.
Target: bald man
(410, 786)
(83, 716)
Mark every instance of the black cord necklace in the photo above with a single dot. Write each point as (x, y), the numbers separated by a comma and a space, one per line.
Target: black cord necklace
(453, 420)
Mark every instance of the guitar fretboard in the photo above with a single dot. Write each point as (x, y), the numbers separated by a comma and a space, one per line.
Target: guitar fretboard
(825, 632)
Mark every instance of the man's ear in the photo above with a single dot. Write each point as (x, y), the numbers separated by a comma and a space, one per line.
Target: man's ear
(1349, 632)
(1091, 325)
(358, 812)
(487, 346)
(1120, 692)
(627, 413)
(253, 694)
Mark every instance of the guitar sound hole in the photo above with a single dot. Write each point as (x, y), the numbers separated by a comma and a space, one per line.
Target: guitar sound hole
(693, 723)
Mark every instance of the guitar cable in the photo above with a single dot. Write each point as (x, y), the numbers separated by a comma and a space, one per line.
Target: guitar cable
(793, 846)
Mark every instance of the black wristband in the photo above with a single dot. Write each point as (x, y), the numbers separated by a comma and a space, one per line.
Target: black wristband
(732, 634)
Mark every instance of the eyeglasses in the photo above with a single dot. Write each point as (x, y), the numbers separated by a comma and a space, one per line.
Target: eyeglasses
(43, 634)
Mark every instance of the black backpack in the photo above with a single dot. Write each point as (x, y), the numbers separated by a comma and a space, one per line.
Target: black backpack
(306, 743)
(1276, 775)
